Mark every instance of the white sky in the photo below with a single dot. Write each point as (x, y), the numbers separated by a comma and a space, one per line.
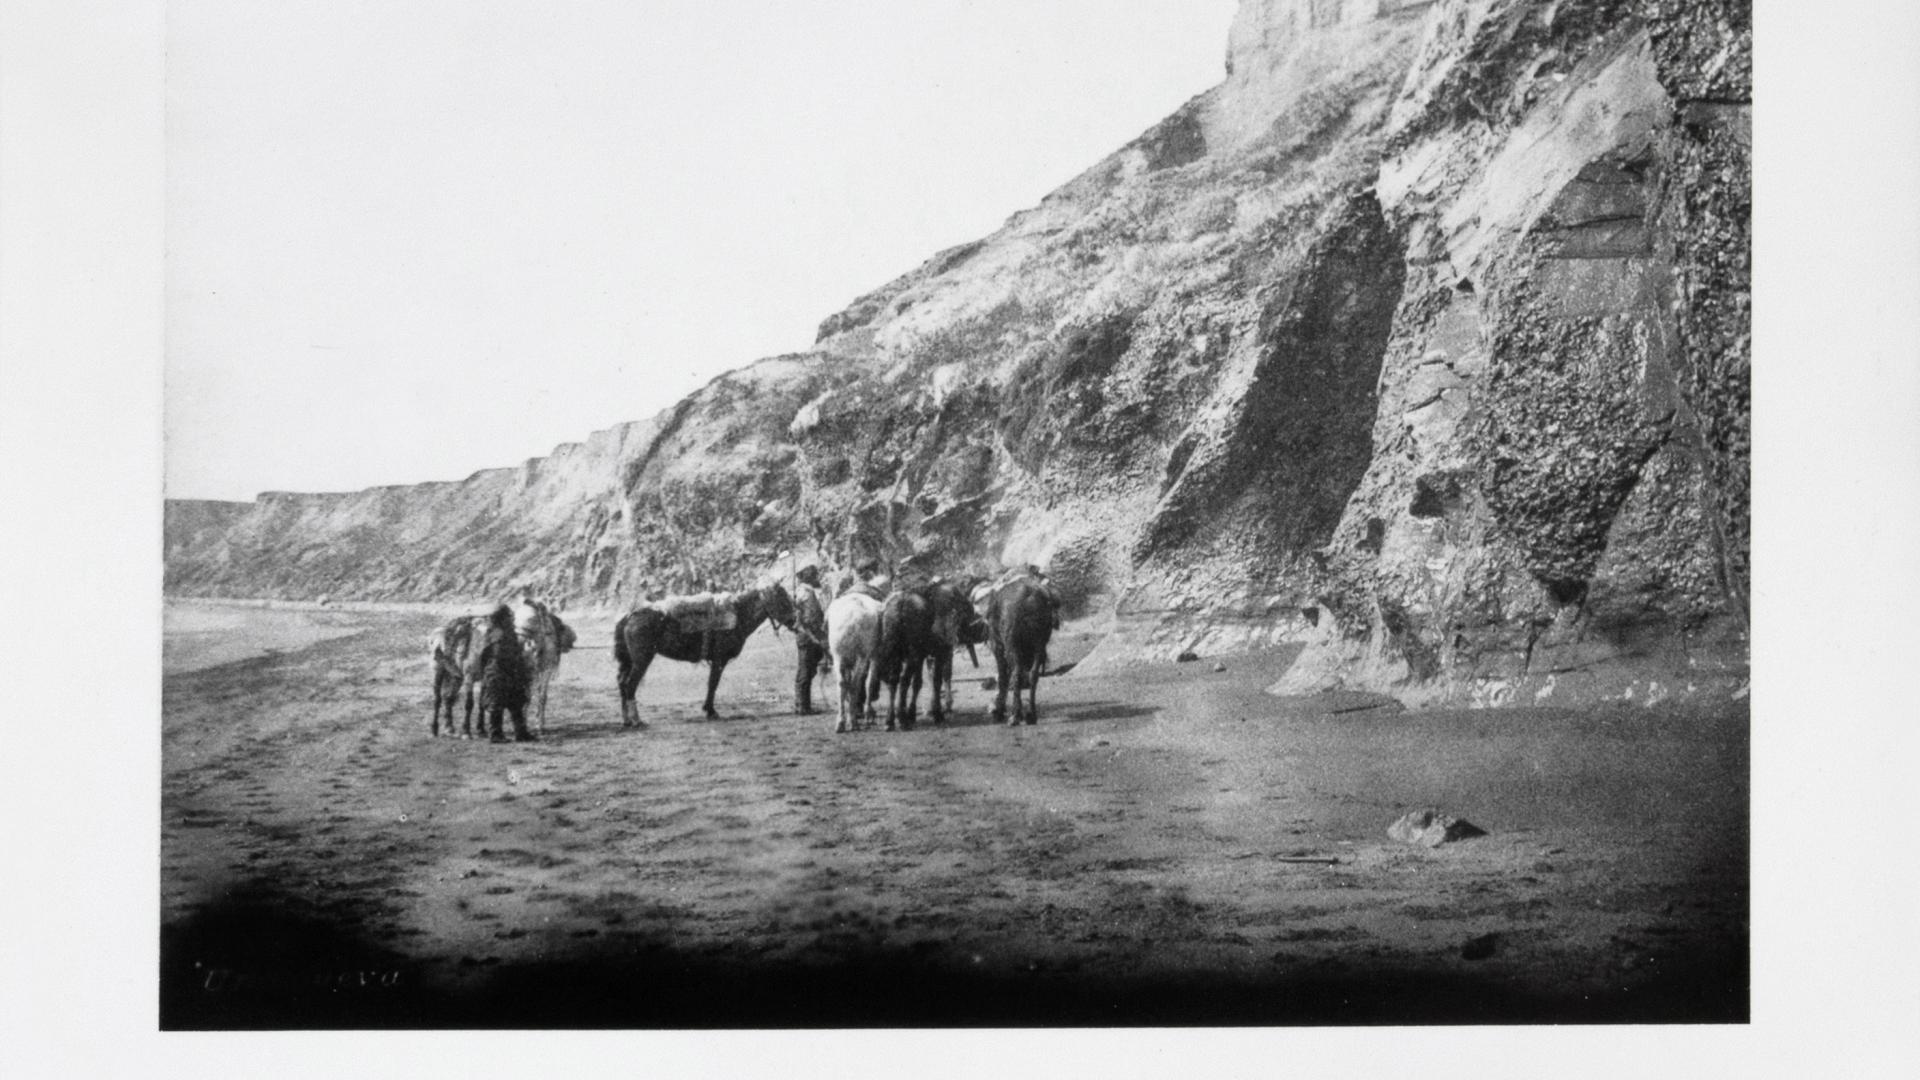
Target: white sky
(410, 239)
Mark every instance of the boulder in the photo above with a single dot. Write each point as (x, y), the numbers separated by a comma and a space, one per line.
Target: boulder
(1431, 828)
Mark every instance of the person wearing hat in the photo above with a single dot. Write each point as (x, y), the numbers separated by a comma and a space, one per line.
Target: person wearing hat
(809, 635)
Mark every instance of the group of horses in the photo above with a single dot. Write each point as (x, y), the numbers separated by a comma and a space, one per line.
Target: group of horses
(454, 650)
(913, 633)
(895, 643)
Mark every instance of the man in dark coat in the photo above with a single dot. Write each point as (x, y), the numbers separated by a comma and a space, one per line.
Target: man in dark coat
(503, 677)
(810, 636)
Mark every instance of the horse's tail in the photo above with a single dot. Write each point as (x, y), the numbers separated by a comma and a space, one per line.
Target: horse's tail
(622, 654)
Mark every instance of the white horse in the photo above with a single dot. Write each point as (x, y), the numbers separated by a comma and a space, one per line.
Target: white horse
(544, 639)
(853, 635)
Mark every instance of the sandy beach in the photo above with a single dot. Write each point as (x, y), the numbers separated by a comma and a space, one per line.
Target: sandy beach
(1167, 846)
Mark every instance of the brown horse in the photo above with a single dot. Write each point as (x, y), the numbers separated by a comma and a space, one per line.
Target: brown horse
(1020, 619)
(646, 632)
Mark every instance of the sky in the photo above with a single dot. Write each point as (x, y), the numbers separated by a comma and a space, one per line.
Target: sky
(411, 239)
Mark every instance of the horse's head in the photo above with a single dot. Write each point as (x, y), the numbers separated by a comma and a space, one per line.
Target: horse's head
(777, 605)
(954, 600)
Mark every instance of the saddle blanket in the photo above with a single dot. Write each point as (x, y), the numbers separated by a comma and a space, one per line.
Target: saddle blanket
(699, 613)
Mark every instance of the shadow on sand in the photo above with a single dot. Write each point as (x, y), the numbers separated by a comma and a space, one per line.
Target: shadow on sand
(253, 963)
(1060, 714)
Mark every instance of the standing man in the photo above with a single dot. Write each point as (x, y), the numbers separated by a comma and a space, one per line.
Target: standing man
(810, 635)
(503, 677)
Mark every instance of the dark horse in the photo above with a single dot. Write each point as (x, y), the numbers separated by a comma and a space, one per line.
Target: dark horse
(1020, 621)
(919, 629)
(646, 632)
(956, 623)
(907, 641)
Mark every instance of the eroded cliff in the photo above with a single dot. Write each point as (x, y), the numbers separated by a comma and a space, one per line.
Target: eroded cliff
(1421, 339)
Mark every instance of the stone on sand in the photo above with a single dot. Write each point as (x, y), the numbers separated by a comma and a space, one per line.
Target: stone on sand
(1431, 828)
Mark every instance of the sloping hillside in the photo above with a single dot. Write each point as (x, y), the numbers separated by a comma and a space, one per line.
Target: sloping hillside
(1423, 339)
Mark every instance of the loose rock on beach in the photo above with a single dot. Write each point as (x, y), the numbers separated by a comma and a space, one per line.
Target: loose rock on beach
(1431, 828)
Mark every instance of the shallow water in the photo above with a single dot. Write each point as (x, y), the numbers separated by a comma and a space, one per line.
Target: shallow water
(202, 635)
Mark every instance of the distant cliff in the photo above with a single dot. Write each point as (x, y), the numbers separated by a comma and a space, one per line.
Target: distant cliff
(1422, 339)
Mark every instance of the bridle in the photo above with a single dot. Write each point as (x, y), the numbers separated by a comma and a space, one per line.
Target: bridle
(765, 594)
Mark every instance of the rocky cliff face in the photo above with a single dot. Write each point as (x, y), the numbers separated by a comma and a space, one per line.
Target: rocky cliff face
(1421, 339)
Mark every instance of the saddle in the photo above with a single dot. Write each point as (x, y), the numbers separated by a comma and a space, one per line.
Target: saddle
(982, 597)
(983, 594)
(702, 613)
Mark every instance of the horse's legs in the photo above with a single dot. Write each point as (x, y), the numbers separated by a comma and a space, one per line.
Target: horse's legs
(537, 695)
(544, 683)
(904, 678)
(624, 684)
(714, 668)
(887, 674)
(896, 696)
(862, 683)
(910, 693)
(631, 673)
(910, 683)
(1033, 692)
(623, 666)
(942, 663)
(840, 696)
(876, 681)
(1005, 672)
(841, 683)
(439, 693)
(466, 725)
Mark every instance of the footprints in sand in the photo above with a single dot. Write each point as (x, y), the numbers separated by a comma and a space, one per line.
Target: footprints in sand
(693, 833)
(519, 857)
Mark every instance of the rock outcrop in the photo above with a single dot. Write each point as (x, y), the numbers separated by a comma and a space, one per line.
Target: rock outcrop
(1422, 339)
